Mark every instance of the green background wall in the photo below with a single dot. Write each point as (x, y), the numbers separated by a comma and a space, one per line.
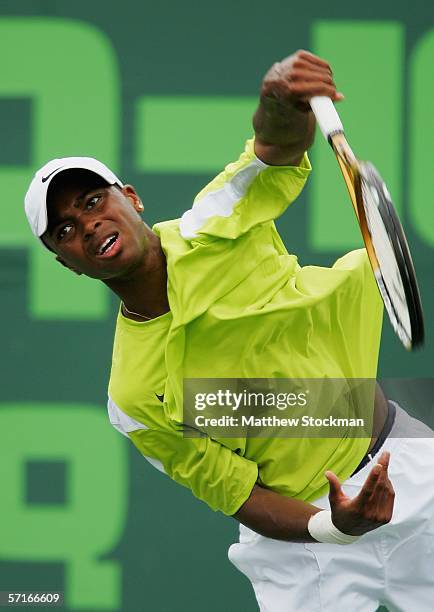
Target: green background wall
(164, 93)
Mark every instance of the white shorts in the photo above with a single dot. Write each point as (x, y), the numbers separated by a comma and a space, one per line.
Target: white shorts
(392, 565)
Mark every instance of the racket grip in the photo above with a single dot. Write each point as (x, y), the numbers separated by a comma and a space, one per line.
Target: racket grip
(326, 116)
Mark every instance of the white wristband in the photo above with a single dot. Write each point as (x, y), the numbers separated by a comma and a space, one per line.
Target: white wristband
(321, 528)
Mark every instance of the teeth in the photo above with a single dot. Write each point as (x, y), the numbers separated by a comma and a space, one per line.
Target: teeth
(106, 243)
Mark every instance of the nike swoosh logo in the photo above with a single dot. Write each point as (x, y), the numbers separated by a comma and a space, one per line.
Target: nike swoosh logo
(160, 397)
(45, 178)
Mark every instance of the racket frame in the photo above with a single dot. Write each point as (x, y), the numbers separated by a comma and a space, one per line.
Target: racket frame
(352, 170)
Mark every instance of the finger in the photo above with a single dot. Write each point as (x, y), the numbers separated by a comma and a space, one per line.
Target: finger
(384, 487)
(379, 494)
(335, 486)
(300, 74)
(383, 479)
(390, 500)
(334, 97)
(306, 78)
(298, 60)
(385, 500)
(311, 58)
(311, 88)
(384, 459)
(382, 498)
(302, 64)
(370, 483)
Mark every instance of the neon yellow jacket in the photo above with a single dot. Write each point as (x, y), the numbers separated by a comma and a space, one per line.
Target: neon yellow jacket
(241, 306)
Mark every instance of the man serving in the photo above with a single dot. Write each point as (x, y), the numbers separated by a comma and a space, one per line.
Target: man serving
(216, 294)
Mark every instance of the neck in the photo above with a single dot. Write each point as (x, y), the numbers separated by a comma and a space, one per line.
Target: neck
(144, 289)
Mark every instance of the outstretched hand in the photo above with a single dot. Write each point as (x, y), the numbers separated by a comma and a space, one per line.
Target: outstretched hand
(371, 508)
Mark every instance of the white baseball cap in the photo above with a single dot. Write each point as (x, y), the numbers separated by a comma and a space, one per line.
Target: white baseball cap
(35, 201)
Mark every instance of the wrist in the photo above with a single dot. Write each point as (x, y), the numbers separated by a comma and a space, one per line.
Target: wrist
(283, 126)
(322, 529)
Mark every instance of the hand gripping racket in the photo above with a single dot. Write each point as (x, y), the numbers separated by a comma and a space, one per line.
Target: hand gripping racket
(381, 229)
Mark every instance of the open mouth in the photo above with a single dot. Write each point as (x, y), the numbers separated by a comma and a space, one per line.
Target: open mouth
(109, 246)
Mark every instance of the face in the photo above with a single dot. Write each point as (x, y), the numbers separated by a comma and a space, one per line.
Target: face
(95, 228)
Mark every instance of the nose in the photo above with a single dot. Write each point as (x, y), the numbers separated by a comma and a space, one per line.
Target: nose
(90, 227)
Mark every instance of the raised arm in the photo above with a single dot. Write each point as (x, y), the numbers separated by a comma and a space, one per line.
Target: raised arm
(284, 123)
(282, 518)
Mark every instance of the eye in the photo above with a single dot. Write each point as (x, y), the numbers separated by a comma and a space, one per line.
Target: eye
(92, 202)
(63, 231)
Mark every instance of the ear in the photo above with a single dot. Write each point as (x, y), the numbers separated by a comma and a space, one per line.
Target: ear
(131, 194)
(61, 261)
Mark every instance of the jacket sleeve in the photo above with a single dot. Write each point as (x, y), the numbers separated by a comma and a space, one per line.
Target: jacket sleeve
(214, 473)
(247, 193)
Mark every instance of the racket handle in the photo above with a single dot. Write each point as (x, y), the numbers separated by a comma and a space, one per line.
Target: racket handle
(326, 116)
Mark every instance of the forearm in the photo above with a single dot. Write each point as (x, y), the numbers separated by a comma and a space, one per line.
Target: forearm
(276, 516)
(281, 138)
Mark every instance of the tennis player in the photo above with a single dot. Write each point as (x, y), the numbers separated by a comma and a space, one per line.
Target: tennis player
(217, 294)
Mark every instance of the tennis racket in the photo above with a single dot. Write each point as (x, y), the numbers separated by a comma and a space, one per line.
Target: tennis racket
(381, 229)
